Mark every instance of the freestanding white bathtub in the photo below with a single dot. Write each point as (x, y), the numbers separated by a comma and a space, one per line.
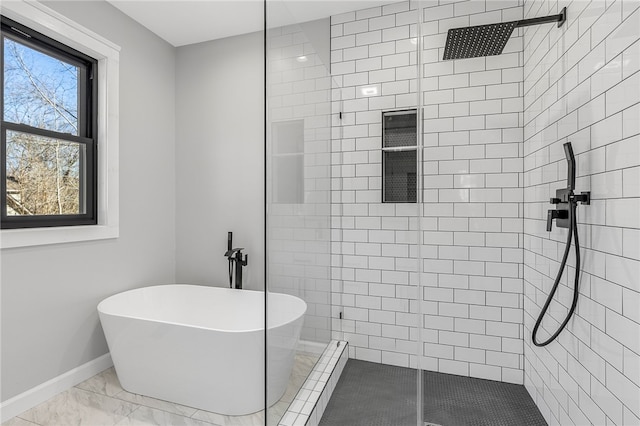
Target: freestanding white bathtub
(202, 346)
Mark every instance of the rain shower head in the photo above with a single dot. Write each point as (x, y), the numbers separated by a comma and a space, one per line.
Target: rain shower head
(490, 39)
(481, 40)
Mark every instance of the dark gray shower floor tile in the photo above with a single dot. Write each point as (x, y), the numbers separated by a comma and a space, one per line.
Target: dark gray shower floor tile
(374, 394)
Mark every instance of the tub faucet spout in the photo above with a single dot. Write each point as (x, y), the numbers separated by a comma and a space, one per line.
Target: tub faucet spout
(234, 255)
(239, 264)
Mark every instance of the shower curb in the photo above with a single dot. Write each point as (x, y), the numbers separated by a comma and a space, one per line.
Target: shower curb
(314, 395)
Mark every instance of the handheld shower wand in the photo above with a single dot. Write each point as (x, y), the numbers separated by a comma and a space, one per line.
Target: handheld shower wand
(565, 215)
(571, 166)
(228, 255)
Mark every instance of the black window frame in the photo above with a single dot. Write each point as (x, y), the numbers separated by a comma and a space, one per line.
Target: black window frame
(87, 129)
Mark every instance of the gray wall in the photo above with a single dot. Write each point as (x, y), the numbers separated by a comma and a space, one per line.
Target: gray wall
(49, 293)
(219, 166)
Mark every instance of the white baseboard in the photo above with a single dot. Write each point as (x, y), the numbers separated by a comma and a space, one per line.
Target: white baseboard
(37, 395)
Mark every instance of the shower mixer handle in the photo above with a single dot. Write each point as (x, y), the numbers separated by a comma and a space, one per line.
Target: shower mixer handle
(555, 214)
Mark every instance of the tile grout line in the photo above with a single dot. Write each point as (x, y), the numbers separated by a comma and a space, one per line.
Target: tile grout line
(28, 421)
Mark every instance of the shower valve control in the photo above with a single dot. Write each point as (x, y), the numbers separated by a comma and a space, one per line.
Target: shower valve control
(558, 215)
(563, 200)
(561, 212)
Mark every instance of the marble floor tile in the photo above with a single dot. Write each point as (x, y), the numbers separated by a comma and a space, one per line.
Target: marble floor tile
(105, 383)
(304, 364)
(206, 416)
(79, 407)
(276, 412)
(146, 416)
(255, 419)
(181, 410)
(17, 421)
(295, 382)
(101, 400)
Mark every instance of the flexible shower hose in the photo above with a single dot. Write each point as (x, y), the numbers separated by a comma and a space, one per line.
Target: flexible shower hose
(573, 232)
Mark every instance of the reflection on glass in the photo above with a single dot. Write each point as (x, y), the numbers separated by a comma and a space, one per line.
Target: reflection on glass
(44, 175)
(298, 195)
(39, 90)
(288, 162)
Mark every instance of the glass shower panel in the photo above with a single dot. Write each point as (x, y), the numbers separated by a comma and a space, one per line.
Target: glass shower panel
(375, 247)
(471, 250)
(333, 239)
(298, 196)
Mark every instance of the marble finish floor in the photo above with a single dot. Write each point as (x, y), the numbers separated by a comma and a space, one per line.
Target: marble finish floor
(101, 400)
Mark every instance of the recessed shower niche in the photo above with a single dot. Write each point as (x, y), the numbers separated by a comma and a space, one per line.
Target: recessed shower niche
(399, 156)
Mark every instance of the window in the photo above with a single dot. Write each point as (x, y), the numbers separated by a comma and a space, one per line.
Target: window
(49, 23)
(49, 132)
(399, 156)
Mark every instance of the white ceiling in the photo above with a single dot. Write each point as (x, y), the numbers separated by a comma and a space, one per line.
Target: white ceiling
(182, 22)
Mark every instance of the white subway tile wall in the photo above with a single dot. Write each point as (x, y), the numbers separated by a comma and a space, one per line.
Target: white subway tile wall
(472, 215)
(493, 130)
(582, 86)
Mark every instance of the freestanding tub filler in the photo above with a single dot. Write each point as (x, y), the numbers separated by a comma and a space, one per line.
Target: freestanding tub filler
(202, 346)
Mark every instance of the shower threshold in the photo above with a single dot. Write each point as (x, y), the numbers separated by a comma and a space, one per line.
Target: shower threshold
(311, 400)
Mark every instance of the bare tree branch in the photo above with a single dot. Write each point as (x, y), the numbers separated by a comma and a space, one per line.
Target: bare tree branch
(38, 88)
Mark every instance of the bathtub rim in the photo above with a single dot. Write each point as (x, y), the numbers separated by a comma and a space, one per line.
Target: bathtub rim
(101, 308)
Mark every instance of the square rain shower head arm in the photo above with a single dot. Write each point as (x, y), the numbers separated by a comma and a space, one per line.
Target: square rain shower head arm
(490, 39)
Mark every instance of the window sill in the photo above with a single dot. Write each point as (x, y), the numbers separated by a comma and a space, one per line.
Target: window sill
(13, 238)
